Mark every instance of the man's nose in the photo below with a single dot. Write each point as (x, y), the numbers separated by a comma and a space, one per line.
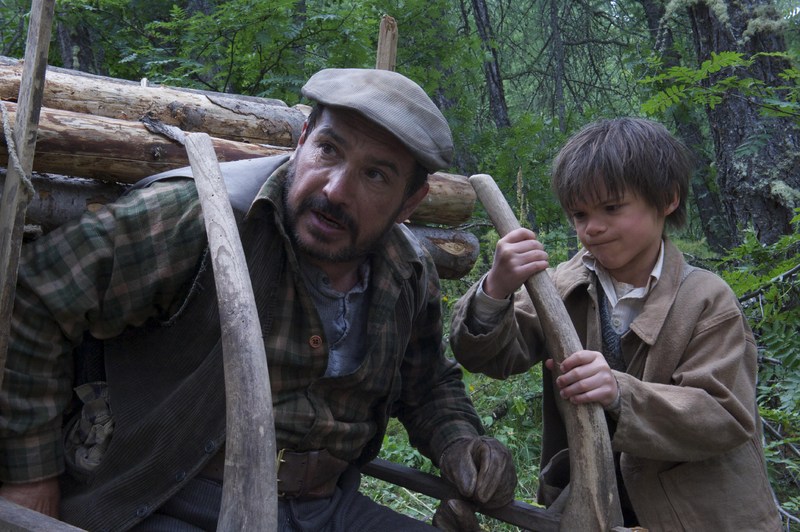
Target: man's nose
(339, 186)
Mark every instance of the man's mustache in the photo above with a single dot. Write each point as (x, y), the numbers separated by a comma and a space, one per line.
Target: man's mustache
(329, 210)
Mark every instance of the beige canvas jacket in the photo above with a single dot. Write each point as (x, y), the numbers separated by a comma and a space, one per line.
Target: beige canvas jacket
(688, 430)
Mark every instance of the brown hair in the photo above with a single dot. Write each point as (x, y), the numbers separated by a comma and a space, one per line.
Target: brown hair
(624, 155)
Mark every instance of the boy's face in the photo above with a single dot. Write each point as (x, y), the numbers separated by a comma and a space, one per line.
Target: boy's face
(624, 234)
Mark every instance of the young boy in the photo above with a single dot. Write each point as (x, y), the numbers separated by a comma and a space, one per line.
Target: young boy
(668, 353)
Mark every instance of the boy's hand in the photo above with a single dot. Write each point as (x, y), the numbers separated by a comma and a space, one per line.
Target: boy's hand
(518, 255)
(586, 378)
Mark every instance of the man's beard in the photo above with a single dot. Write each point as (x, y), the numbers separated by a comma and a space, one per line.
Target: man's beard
(318, 203)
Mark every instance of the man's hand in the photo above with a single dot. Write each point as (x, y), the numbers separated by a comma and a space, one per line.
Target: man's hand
(455, 515)
(517, 257)
(586, 378)
(42, 496)
(482, 469)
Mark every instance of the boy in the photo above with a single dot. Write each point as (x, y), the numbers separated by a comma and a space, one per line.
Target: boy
(668, 353)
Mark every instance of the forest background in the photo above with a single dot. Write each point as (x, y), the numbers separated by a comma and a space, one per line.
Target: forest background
(515, 78)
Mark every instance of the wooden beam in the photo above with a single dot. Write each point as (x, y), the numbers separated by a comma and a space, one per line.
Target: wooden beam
(15, 518)
(593, 502)
(387, 44)
(516, 513)
(250, 487)
(16, 189)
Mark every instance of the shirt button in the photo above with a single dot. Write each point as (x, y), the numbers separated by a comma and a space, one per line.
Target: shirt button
(315, 341)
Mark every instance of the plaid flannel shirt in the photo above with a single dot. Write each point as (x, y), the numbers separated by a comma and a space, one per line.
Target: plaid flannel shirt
(132, 261)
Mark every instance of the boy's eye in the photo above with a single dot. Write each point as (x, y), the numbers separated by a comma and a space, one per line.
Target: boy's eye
(613, 207)
(578, 215)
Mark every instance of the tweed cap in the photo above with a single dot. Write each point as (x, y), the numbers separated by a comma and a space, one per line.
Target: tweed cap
(392, 101)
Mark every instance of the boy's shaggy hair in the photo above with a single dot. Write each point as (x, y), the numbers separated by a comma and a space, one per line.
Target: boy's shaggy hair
(624, 155)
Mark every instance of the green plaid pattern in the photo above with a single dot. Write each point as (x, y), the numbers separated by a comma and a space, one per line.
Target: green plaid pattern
(133, 260)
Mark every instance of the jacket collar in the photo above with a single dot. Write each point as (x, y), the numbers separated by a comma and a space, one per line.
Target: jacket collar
(574, 274)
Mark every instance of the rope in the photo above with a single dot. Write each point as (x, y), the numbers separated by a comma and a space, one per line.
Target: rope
(13, 159)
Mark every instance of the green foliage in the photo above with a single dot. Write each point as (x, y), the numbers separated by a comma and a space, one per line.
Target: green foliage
(766, 277)
(724, 74)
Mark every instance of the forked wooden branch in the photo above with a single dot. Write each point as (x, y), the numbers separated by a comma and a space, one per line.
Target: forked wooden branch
(593, 502)
(249, 491)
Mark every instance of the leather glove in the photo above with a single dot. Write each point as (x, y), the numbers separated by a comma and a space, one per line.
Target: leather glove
(482, 469)
(455, 515)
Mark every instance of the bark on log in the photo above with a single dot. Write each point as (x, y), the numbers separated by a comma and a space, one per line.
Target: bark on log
(107, 149)
(223, 116)
(59, 199)
(113, 150)
(453, 252)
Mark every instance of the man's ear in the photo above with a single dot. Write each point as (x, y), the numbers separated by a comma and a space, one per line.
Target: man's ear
(301, 140)
(412, 202)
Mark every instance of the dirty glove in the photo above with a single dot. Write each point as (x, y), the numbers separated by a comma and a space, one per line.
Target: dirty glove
(482, 469)
(455, 515)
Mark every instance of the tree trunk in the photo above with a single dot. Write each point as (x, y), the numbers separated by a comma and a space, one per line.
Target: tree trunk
(224, 116)
(491, 65)
(757, 157)
(560, 68)
(715, 224)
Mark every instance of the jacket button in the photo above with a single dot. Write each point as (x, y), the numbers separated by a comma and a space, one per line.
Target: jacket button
(315, 341)
(180, 476)
(141, 511)
(210, 447)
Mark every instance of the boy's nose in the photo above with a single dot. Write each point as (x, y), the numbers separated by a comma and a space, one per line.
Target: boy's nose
(595, 226)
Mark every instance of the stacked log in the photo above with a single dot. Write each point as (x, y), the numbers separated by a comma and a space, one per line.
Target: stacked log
(90, 130)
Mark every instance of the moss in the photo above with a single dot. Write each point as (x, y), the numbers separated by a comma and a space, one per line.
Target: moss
(765, 20)
(718, 7)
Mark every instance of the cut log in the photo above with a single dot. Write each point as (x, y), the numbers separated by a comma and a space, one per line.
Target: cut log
(223, 116)
(121, 151)
(59, 199)
(95, 147)
(453, 252)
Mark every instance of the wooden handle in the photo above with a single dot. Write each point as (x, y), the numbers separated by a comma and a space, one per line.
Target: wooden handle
(593, 502)
(249, 492)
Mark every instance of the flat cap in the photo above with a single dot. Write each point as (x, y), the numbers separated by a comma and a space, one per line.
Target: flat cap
(392, 101)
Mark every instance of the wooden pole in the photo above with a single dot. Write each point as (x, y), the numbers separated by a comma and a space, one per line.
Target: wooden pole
(17, 187)
(387, 44)
(249, 489)
(593, 502)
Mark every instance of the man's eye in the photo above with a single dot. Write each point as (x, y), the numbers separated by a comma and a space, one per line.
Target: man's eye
(376, 175)
(327, 148)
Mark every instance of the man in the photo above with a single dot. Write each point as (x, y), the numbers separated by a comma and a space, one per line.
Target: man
(350, 314)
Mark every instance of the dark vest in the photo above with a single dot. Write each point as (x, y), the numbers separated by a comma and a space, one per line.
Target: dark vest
(169, 411)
